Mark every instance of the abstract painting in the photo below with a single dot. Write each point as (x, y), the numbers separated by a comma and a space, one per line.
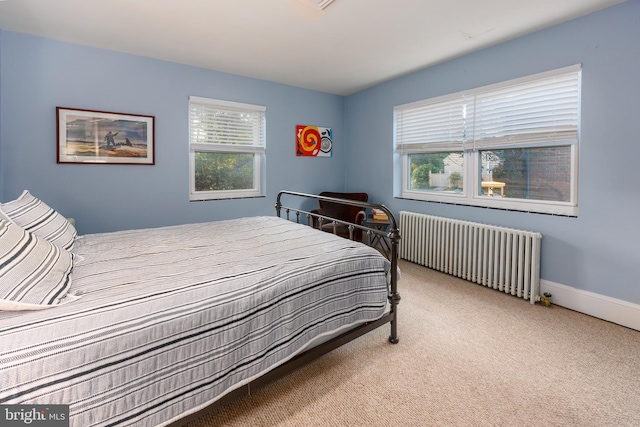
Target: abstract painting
(313, 141)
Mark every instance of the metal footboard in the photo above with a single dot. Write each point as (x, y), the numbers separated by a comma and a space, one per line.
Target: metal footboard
(393, 234)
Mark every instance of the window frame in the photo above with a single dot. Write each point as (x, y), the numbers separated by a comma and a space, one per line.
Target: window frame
(257, 149)
(471, 194)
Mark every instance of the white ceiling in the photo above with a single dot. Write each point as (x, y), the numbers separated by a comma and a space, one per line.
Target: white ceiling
(348, 46)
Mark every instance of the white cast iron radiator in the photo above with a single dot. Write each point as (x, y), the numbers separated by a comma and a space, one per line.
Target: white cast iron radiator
(497, 257)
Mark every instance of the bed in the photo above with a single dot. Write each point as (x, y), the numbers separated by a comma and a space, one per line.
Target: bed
(156, 326)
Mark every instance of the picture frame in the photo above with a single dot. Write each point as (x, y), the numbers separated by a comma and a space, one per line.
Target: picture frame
(102, 137)
(314, 141)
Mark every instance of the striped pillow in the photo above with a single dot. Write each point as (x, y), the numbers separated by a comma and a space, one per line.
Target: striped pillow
(34, 274)
(37, 217)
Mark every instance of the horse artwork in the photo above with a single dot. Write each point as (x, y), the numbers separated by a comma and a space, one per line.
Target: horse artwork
(101, 137)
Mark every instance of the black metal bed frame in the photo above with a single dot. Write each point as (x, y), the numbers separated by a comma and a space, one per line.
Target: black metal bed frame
(393, 235)
(315, 352)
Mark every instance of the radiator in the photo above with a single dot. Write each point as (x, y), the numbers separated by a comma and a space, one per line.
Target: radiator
(501, 258)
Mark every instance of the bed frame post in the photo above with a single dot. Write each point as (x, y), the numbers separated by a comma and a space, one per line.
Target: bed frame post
(394, 295)
(278, 205)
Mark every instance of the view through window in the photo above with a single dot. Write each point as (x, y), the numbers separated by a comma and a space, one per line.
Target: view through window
(512, 145)
(227, 149)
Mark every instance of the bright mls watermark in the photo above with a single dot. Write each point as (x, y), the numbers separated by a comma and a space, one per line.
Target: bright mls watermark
(34, 415)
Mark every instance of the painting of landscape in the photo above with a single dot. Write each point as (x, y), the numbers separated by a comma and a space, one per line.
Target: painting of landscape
(101, 137)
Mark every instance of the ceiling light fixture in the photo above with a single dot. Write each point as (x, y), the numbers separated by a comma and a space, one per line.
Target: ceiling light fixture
(318, 4)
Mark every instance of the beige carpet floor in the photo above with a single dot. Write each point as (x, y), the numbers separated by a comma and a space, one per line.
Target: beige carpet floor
(468, 356)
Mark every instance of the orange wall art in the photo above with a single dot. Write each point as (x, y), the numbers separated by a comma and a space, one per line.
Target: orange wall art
(313, 141)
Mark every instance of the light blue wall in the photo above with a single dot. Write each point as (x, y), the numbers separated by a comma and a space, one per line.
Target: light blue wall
(39, 74)
(598, 251)
(1, 174)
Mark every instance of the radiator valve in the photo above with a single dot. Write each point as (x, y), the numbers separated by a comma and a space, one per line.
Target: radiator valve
(546, 299)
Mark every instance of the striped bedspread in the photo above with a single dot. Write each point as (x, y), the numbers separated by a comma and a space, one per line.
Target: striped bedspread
(171, 319)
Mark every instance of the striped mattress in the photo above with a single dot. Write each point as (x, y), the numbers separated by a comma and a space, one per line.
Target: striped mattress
(171, 319)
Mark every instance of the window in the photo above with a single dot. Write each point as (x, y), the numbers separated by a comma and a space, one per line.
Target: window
(227, 149)
(512, 145)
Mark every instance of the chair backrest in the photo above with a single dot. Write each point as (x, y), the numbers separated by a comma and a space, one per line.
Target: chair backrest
(339, 211)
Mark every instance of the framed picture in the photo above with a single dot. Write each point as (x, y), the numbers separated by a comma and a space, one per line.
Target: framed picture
(86, 136)
(314, 141)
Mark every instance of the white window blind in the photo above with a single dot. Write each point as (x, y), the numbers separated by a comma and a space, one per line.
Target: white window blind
(225, 125)
(537, 110)
(432, 126)
(541, 111)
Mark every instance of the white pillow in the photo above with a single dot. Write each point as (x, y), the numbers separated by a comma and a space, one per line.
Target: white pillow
(37, 217)
(4, 216)
(34, 274)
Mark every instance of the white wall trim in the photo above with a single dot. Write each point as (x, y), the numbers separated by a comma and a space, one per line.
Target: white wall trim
(603, 307)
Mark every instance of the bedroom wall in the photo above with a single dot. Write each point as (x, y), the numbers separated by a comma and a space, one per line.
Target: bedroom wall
(1, 175)
(38, 74)
(596, 252)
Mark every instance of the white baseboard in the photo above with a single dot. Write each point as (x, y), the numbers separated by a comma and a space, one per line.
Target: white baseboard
(603, 307)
